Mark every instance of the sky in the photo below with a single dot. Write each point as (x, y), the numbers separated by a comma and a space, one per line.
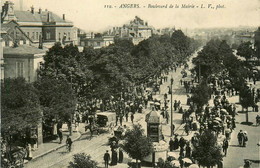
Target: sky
(90, 15)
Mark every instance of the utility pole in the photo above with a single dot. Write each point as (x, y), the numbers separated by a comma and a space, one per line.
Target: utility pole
(171, 105)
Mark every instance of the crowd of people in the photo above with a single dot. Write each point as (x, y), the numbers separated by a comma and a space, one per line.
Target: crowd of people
(220, 118)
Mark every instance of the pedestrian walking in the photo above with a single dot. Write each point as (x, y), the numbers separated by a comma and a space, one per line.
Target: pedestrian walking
(195, 140)
(173, 128)
(165, 96)
(227, 133)
(175, 105)
(182, 142)
(116, 119)
(245, 138)
(167, 116)
(126, 116)
(176, 143)
(121, 156)
(187, 128)
(225, 146)
(257, 118)
(60, 135)
(121, 119)
(28, 148)
(34, 141)
(181, 154)
(179, 104)
(171, 144)
(247, 163)
(69, 143)
(188, 151)
(114, 157)
(240, 137)
(220, 164)
(106, 158)
(132, 117)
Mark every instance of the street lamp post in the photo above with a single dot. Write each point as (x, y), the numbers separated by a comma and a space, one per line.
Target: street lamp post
(171, 105)
(71, 117)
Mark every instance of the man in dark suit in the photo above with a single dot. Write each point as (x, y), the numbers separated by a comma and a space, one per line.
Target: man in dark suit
(106, 158)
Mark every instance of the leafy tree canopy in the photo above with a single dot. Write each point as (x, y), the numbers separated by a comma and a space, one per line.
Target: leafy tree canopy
(137, 145)
(19, 105)
(81, 160)
(208, 152)
(201, 94)
(245, 50)
(246, 97)
(56, 98)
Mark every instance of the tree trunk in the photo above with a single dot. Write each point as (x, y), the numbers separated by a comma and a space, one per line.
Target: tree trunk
(247, 115)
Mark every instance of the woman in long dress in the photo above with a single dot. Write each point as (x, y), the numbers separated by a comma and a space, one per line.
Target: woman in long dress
(121, 156)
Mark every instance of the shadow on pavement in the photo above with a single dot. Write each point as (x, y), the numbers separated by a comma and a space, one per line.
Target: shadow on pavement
(246, 123)
(63, 152)
(234, 145)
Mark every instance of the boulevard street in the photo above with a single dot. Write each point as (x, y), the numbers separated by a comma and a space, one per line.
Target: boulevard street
(99, 144)
(132, 96)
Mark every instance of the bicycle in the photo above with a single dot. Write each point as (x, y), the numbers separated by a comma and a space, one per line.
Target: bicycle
(68, 148)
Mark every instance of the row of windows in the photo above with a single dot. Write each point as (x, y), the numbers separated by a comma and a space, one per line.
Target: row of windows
(64, 36)
(20, 69)
(10, 43)
(34, 35)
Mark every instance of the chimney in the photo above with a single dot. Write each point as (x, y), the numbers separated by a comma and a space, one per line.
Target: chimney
(32, 10)
(40, 10)
(63, 16)
(146, 24)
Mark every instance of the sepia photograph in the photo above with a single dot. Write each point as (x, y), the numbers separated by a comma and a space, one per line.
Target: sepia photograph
(130, 84)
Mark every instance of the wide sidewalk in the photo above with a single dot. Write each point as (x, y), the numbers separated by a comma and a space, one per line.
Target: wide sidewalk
(53, 145)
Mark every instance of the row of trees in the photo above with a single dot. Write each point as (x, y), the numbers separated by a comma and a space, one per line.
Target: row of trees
(102, 73)
(68, 77)
(217, 59)
(24, 105)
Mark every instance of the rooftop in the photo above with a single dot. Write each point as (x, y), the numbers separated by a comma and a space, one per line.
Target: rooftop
(27, 16)
(23, 50)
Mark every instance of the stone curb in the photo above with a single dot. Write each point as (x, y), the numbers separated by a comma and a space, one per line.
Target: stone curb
(54, 149)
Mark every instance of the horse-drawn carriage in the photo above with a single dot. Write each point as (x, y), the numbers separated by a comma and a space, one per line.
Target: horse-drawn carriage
(101, 121)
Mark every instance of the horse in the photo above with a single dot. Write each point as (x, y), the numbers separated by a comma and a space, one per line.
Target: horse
(92, 128)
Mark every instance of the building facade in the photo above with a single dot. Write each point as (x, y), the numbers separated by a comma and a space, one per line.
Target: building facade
(41, 25)
(137, 30)
(3, 33)
(98, 42)
(22, 61)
